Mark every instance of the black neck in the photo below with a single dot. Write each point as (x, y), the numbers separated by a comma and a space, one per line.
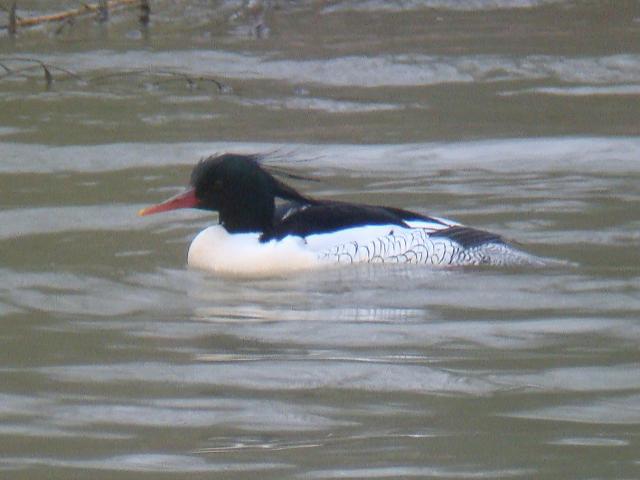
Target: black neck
(247, 206)
(240, 218)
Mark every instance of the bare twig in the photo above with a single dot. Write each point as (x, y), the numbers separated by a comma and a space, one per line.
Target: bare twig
(145, 12)
(103, 11)
(37, 64)
(13, 28)
(68, 22)
(83, 10)
(155, 76)
(47, 76)
(173, 75)
(191, 80)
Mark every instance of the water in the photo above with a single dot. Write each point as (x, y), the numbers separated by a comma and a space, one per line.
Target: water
(518, 117)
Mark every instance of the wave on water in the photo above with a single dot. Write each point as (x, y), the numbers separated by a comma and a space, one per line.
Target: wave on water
(584, 154)
(452, 5)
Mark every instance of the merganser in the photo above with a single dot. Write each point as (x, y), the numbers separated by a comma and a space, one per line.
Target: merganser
(255, 237)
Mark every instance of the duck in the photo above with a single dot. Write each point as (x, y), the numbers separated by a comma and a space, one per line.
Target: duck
(267, 227)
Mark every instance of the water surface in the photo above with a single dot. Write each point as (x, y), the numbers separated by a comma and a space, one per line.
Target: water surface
(517, 117)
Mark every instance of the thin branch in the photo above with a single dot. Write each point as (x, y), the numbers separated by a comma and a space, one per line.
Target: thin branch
(13, 28)
(145, 12)
(38, 64)
(48, 78)
(83, 10)
(191, 80)
(157, 76)
(103, 11)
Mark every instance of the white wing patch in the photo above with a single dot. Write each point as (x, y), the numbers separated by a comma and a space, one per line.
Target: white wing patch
(439, 224)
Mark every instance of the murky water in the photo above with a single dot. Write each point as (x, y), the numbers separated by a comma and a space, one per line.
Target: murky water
(517, 117)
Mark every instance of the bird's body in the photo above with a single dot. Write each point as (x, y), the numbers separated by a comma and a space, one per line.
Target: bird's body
(255, 237)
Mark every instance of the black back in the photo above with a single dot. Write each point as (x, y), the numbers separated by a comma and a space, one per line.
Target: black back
(329, 216)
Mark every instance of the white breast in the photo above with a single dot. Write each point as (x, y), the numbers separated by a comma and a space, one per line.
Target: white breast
(214, 249)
